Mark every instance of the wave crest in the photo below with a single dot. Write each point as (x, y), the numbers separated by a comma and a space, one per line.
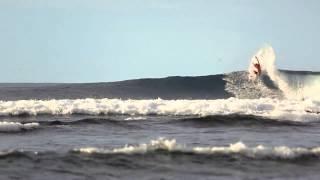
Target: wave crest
(16, 126)
(239, 149)
(159, 144)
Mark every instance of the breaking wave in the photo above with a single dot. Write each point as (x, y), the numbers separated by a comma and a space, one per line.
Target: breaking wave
(17, 126)
(239, 148)
(295, 110)
(166, 147)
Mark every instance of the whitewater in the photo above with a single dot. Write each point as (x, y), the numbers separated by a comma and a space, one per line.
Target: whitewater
(296, 110)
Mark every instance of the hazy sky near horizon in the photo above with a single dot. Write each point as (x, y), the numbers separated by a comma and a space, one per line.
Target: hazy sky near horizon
(109, 40)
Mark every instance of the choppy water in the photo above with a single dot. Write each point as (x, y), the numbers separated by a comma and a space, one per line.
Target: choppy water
(93, 131)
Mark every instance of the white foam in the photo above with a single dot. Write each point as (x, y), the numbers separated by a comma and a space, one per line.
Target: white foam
(159, 144)
(239, 85)
(135, 118)
(271, 108)
(239, 148)
(260, 151)
(16, 126)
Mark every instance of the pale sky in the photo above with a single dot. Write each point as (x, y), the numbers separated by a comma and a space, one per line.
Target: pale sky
(109, 40)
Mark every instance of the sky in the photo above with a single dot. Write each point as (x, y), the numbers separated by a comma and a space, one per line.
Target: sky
(110, 40)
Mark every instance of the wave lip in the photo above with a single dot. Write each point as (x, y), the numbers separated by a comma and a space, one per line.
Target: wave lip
(16, 126)
(236, 149)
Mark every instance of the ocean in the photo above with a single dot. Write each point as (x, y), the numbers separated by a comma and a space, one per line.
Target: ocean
(205, 127)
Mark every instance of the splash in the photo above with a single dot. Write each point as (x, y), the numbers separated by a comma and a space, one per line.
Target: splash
(297, 86)
(267, 57)
(310, 88)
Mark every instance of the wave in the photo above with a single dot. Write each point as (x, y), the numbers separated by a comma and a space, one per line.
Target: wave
(239, 149)
(299, 85)
(292, 110)
(174, 87)
(134, 122)
(164, 146)
(234, 120)
(91, 121)
(16, 126)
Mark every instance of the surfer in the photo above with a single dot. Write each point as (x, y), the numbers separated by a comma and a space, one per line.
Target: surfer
(254, 69)
(257, 71)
